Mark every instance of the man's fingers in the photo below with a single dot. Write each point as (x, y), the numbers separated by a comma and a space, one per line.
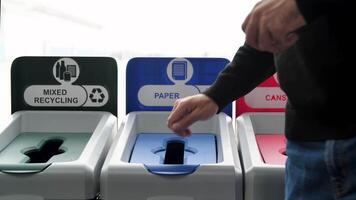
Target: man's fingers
(173, 109)
(289, 40)
(292, 38)
(187, 132)
(247, 19)
(252, 37)
(175, 105)
(269, 23)
(189, 110)
(252, 31)
(265, 39)
(244, 24)
(279, 31)
(276, 41)
(184, 133)
(186, 121)
(179, 112)
(297, 20)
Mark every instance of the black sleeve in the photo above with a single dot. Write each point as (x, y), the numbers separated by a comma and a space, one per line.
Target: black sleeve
(311, 9)
(247, 70)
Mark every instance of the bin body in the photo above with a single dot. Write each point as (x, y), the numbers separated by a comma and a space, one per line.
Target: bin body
(218, 176)
(264, 171)
(70, 173)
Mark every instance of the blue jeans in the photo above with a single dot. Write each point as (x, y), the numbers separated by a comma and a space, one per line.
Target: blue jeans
(321, 170)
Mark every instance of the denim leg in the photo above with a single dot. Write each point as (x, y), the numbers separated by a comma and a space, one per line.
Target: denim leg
(306, 172)
(341, 164)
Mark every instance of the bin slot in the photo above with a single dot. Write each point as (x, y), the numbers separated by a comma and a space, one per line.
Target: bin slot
(169, 149)
(44, 147)
(174, 152)
(49, 149)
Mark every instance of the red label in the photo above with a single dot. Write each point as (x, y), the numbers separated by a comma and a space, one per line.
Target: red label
(267, 97)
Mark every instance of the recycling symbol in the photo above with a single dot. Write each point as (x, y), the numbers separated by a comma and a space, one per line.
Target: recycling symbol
(96, 95)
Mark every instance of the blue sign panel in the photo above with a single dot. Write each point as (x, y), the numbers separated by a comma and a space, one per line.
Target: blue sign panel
(154, 84)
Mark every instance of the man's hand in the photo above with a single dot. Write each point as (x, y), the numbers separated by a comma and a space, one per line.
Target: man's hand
(188, 110)
(271, 25)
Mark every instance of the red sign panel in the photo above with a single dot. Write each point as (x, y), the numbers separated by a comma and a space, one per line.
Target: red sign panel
(267, 97)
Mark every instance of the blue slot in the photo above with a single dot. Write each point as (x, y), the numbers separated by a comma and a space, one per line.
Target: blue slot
(150, 149)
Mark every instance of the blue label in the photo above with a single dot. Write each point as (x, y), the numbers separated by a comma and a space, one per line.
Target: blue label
(154, 84)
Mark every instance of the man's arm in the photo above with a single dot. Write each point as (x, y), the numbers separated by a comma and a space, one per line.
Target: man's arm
(247, 70)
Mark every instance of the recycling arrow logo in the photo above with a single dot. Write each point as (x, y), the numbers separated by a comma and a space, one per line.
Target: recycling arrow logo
(96, 95)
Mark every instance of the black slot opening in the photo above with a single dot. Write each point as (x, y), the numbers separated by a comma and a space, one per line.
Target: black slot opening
(174, 152)
(49, 149)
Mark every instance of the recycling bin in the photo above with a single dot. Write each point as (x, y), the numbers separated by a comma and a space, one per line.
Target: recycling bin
(62, 125)
(260, 130)
(262, 147)
(149, 161)
(54, 154)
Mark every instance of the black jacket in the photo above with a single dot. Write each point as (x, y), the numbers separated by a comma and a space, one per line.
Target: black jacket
(317, 73)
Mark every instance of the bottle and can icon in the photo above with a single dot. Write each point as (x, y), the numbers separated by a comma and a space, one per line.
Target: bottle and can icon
(65, 72)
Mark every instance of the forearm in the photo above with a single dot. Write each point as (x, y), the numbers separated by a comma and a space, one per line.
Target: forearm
(247, 70)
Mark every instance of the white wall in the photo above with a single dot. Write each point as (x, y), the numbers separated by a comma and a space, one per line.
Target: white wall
(118, 28)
